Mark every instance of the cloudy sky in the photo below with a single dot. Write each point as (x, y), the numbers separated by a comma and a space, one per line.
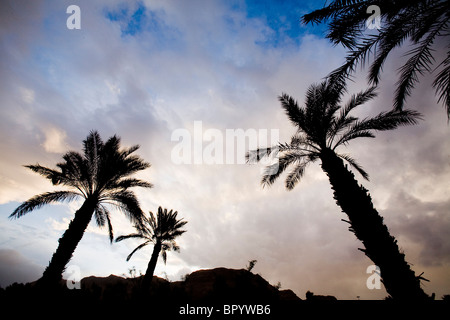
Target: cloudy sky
(143, 70)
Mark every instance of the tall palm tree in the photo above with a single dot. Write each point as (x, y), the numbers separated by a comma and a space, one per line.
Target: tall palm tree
(423, 23)
(323, 125)
(161, 231)
(99, 176)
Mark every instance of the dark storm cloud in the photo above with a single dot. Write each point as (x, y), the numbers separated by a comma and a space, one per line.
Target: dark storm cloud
(14, 267)
(423, 223)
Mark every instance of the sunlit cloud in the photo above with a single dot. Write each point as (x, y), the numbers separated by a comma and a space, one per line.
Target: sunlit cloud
(55, 140)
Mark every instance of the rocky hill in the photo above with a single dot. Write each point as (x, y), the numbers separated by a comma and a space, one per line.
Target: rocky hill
(205, 286)
(202, 290)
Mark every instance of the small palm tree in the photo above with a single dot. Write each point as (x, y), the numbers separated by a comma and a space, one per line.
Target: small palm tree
(321, 129)
(423, 23)
(161, 231)
(100, 176)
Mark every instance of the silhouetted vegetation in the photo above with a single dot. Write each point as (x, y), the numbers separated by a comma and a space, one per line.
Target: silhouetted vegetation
(162, 232)
(251, 265)
(421, 23)
(323, 125)
(99, 176)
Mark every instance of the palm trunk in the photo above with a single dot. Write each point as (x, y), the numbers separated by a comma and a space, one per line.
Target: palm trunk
(67, 244)
(152, 265)
(365, 222)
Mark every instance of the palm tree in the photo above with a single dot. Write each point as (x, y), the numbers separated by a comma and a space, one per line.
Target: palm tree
(99, 176)
(423, 23)
(321, 129)
(161, 231)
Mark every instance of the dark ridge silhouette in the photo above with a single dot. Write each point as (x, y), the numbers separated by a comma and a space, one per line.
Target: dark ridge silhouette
(310, 296)
(228, 284)
(202, 286)
(320, 131)
(213, 288)
(100, 176)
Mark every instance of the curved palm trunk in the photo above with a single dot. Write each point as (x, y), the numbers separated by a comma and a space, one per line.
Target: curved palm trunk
(398, 278)
(67, 244)
(152, 265)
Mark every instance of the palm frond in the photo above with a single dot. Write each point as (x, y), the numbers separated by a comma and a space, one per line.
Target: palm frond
(384, 121)
(52, 175)
(164, 256)
(388, 120)
(419, 63)
(295, 175)
(351, 135)
(130, 236)
(139, 247)
(420, 22)
(92, 148)
(76, 171)
(359, 54)
(102, 217)
(273, 171)
(442, 83)
(131, 182)
(115, 164)
(333, 10)
(254, 156)
(391, 37)
(175, 247)
(126, 202)
(343, 121)
(99, 215)
(110, 227)
(346, 27)
(130, 150)
(40, 200)
(355, 165)
(293, 111)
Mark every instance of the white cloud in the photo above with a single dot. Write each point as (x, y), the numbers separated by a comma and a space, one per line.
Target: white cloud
(27, 95)
(55, 140)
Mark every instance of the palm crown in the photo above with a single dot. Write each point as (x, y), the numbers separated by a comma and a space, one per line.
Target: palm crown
(163, 229)
(423, 23)
(100, 174)
(324, 124)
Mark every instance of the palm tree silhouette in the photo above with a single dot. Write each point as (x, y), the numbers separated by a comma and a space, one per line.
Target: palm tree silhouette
(423, 23)
(161, 231)
(100, 176)
(320, 131)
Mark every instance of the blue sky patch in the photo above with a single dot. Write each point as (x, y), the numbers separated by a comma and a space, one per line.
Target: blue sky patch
(138, 19)
(131, 21)
(283, 17)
